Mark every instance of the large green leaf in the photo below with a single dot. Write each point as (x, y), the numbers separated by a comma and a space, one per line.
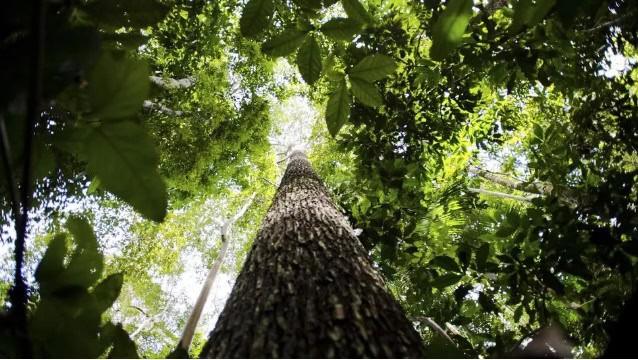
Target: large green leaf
(284, 43)
(86, 264)
(445, 262)
(107, 291)
(529, 13)
(52, 264)
(366, 92)
(255, 17)
(448, 30)
(123, 156)
(117, 86)
(309, 60)
(446, 280)
(341, 28)
(373, 68)
(123, 346)
(338, 108)
(356, 11)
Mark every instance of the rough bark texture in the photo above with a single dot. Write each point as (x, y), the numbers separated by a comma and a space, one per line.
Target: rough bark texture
(307, 288)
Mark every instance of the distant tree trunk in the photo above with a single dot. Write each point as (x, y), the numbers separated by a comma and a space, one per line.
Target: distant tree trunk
(193, 320)
(307, 288)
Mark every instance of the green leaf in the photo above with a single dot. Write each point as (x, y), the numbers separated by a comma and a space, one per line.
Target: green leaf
(123, 156)
(356, 11)
(446, 280)
(129, 13)
(284, 43)
(366, 92)
(482, 254)
(86, 264)
(505, 230)
(255, 17)
(107, 291)
(448, 30)
(445, 262)
(338, 108)
(52, 263)
(518, 313)
(464, 255)
(529, 13)
(373, 68)
(486, 303)
(341, 28)
(123, 346)
(440, 348)
(309, 60)
(118, 86)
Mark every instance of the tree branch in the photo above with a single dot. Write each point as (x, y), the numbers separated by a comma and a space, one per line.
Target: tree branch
(170, 83)
(503, 195)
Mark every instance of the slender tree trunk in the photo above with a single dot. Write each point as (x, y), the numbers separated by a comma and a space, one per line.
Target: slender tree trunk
(193, 320)
(307, 288)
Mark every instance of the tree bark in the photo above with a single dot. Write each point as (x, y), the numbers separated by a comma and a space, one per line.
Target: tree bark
(307, 288)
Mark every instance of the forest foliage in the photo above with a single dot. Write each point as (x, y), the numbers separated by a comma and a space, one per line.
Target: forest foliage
(485, 149)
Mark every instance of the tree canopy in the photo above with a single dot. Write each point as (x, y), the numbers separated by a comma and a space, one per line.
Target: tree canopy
(485, 151)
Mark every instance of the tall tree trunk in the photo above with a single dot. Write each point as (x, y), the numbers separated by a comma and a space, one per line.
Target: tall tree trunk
(307, 288)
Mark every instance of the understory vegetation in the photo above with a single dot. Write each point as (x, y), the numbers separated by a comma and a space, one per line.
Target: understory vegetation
(484, 151)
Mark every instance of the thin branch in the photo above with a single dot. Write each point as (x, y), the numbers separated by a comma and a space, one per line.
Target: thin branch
(610, 23)
(437, 328)
(528, 198)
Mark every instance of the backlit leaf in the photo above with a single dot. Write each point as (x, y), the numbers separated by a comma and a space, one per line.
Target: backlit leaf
(341, 28)
(338, 108)
(448, 30)
(123, 156)
(366, 92)
(373, 68)
(356, 11)
(284, 43)
(309, 60)
(118, 86)
(255, 17)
